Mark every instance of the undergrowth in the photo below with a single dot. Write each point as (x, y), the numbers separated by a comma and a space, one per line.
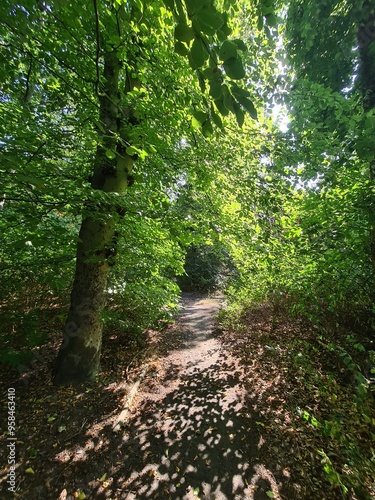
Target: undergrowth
(314, 386)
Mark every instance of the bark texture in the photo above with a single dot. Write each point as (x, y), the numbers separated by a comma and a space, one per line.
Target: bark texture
(78, 359)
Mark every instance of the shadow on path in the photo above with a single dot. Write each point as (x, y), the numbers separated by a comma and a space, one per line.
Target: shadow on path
(190, 437)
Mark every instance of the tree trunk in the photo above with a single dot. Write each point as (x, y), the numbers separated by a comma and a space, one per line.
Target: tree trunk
(78, 359)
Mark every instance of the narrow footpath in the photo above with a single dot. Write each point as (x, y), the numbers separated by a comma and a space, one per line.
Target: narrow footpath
(188, 436)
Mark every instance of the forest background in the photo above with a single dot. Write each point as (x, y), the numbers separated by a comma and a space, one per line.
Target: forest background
(192, 145)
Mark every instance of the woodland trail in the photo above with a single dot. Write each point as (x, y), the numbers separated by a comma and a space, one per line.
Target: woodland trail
(179, 424)
(197, 414)
(190, 437)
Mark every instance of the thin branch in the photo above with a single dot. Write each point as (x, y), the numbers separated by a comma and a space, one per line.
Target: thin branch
(97, 57)
(61, 61)
(59, 76)
(29, 160)
(55, 73)
(39, 201)
(28, 91)
(79, 42)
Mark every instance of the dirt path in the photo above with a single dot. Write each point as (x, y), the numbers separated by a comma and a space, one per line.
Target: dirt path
(186, 432)
(190, 435)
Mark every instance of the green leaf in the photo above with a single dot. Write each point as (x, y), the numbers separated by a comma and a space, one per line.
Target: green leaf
(240, 44)
(234, 69)
(229, 102)
(267, 7)
(227, 50)
(370, 123)
(183, 32)
(198, 54)
(359, 347)
(238, 91)
(225, 29)
(194, 6)
(209, 17)
(207, 129)
(270, 494)
(216, 118)
(221, 36)
(249, 106)
(138, 4)
(201, 81)
(131, 151)
(216, 90)
(110, 154)
(272, 20)
(201, 28)
(223, 110)
(314, 422)
(240, 116)
(169, 4)
(181, 49)
(200, 116)
(213, 73)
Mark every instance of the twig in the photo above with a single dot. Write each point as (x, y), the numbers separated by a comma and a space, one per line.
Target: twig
(76, 433)
(120, 421)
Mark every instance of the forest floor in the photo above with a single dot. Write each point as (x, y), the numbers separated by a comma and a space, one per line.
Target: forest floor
(197, 414)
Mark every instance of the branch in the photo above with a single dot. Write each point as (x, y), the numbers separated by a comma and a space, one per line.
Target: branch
(97, 57)
(29, 92)
(52, 71)
(38, 201)
(35, 154)
(79, 42)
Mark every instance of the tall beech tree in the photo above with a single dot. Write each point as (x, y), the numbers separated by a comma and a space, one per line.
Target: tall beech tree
(118, 72)
(83, 78)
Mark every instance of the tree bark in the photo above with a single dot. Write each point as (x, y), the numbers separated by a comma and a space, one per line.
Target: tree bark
(78, 359)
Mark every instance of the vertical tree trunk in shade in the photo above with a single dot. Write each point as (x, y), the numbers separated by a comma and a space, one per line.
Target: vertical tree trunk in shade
(79, 355)
(366, 42)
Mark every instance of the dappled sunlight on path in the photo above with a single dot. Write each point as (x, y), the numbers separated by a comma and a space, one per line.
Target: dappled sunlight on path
(190, 435)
